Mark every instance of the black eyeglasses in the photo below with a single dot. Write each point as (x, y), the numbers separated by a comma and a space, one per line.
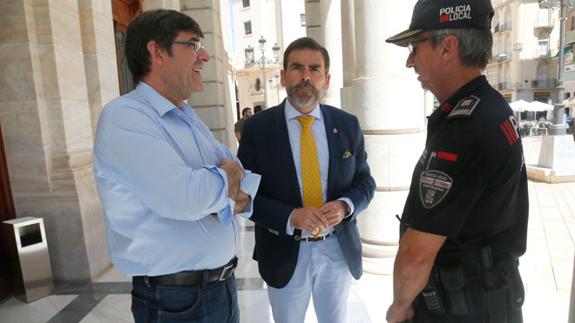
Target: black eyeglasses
(412, 45)
(196, 45)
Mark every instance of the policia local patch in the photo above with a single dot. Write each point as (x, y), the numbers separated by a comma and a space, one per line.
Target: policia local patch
(433, 187)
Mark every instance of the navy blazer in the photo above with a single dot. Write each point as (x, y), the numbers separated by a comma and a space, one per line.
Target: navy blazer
(265, 149)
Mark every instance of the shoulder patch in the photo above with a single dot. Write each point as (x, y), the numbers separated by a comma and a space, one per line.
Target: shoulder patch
(464, 107)
(509, 129)
(433, 187)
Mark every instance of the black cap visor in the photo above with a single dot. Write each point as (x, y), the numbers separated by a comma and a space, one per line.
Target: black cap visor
(402, 39)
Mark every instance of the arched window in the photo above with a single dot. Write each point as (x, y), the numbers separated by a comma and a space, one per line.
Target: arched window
(500, 45)
(508, 46)
(491, 74)
(507, 17)
(542, 74)
(258, 84)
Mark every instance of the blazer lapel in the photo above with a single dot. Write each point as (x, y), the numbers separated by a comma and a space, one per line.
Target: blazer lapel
(332, 132)
(282, 150)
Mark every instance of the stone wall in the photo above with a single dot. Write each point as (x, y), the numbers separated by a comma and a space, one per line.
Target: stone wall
(57, 67)
(213, 105)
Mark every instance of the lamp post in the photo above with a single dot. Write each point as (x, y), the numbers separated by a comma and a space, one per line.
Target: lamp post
(277, 77)
(250, 60)
(262, 43)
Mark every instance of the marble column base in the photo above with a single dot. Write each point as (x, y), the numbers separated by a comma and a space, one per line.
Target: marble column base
(379, 229)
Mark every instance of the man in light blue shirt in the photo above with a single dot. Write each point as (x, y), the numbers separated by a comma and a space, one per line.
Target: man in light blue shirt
(169, 189)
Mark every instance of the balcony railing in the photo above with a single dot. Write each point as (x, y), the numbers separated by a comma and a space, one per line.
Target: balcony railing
(544, 83)
(544, 24)
(504, 85)
(501, 57)
(542, 53)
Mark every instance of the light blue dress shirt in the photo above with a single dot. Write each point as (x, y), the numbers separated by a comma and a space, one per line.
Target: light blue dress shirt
(320, 136)
(165, 200)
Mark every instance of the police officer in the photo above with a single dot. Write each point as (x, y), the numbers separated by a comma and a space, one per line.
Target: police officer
(464, 224)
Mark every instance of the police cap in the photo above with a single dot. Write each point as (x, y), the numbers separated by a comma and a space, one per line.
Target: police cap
(446, 14)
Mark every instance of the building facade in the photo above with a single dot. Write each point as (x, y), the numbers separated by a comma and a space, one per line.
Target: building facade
(525, 48)
(61, 62)
(568, 73)
(257, 71)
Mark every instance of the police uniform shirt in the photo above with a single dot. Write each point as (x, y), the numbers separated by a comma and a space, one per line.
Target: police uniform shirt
(470, 183)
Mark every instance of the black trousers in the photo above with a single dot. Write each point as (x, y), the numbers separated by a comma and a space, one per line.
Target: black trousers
(477, 316)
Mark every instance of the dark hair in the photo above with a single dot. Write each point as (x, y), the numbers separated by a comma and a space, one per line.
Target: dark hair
(474, 45)
(244, 111)
(306, 43)
(161, 26)
(257, 108)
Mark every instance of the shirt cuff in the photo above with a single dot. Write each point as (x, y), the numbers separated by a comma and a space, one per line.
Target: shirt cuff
(225, 214)
(349, 204)
(289, 227)
(249, 185)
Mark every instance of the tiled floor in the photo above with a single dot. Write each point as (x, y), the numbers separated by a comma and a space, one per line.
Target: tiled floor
(546, 269)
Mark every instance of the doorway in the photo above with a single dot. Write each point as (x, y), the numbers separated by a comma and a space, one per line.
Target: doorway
(7, 212)
(123, 12)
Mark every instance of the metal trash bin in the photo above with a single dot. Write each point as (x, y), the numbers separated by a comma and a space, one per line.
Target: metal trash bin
(29, 258)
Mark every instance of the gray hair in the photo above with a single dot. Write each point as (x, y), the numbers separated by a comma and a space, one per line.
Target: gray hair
(474, 45)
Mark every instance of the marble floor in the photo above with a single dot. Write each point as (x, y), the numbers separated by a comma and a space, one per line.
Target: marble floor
(546, 269)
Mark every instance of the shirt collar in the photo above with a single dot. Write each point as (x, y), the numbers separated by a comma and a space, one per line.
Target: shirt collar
(155, 99)
(463, 91)
(292, 113)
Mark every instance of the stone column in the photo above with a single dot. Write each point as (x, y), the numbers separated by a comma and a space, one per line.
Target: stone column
(161, 4)
(348, 53)
(55, 72)
(213, 105)
(313, 20)
(99, 55)
(390, 105)
(331, 30)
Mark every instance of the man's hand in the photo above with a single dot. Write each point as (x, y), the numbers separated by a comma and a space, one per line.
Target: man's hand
(334, 212)
(396, 314)
(309, 219)
(235, 174)
(242, 200)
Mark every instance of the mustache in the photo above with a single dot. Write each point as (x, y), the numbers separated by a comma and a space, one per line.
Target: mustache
(304, 84)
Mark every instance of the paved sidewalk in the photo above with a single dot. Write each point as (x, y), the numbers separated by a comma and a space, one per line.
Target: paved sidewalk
(546, 269)
(547, 266)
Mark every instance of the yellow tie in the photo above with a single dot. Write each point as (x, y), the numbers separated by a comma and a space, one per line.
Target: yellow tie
(310, 175)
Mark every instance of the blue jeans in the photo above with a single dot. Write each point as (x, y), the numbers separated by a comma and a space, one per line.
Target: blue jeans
(215, 302)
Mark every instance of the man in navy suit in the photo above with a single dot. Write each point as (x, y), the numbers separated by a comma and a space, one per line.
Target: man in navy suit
(305, 249)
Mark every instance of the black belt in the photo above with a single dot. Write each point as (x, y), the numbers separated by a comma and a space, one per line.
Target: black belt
(195, 278)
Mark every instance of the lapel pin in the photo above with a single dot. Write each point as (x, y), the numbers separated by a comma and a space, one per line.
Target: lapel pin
(334, 131)
(346, 154)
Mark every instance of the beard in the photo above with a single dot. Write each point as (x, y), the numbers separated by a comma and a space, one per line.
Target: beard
(302, 99)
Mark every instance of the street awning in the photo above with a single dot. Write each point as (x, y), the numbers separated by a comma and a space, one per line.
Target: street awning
(536, 106)
(519, 105)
